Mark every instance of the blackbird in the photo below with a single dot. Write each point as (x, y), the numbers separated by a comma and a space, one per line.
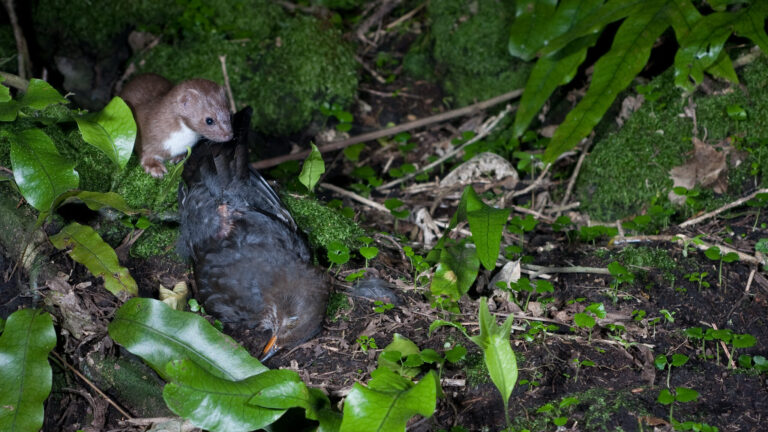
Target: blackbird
(251, 263)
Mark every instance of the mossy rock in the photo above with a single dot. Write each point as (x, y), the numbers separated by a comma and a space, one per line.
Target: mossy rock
(286, 79)
(322, 224)
(469, 41)
(628, 169)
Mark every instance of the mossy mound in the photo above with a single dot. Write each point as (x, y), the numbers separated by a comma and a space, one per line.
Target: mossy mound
(468, 40)
(286, 78)
(628, 169)
(323, 225)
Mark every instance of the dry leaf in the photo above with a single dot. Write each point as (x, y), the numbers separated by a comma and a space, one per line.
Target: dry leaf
(707, 168)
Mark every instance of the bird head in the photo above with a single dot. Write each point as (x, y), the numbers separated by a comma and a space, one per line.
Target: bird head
(293, 312)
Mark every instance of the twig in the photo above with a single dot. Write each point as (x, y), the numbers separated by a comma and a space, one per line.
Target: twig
(537, 269)
(14, 81)
(683, 240)
(483, 131)
(530, 187)
(538, 215)
(377, 16)
(371, 71)
(574, 176)
(223, 60)
(354, 196)
(725, 349)
(91, 385)
(728, 206)
(405, 17)
(381, 133)
(23, 60)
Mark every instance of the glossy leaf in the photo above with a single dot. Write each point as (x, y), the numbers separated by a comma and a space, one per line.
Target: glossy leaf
(95, 201)
(9, 110)
(39, 170)
(112, 130)
(558, 68)
(528, 34)
(683, 394)
(752, 24)
(486, 224)
(702, 47)
(158, 334)
(313, 168)
(218, 404)
(388, 402)
(40, 94)
(404, 347)
(497, 351)
(25, 375)
(456, 271)
(612, 73)
(101, 260)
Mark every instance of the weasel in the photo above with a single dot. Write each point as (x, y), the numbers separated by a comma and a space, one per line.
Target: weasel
(171, 118)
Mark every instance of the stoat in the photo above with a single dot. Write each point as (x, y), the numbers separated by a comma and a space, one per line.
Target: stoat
(171, 118)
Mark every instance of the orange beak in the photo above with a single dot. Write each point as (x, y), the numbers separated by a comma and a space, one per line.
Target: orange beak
(270, 349)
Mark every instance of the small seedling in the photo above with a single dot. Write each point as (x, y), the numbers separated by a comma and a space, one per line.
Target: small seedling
(714, 254)
(578, 364)
(520, 226)
(419, 265)
(621, 275)
(381, 307)
(661, 361)
(368, 252)
(742, 341)
(681, 394)
(698, 277)
(355, 276)
(366, 342)
(338, 254)
(586, 319)
(524, 285)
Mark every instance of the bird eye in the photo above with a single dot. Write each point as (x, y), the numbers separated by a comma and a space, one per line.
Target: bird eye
(209, 121)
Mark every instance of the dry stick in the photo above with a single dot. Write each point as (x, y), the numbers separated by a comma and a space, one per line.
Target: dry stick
(354, 196)
(728, 206)
(14, 81)
(483, 131)
(223, 60)
(575, 175)
(537, 269)
(23, 60)
(405, 17)
(725, 349)
(91, 384)
(377, 16)
(530, 187)
(338, 145)
(682, 240)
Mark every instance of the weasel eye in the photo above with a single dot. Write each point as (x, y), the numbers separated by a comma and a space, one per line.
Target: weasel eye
(209, 121)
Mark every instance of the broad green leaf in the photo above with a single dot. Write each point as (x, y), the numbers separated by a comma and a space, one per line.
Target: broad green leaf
(158, 334)
(39, 170)
(40, 94)
(702, 47)
(557, 68)
(456, 271)
(218, 404)
(528, 36)
(388, 402)
(743, 340)
(752, 24)
(405, 347)
(497, 351)
(291, 392)
(95, 201)
(613, 73)
(5, 92)
(683, 394)
(313, 168)
(679, 360)
(595, 21)
(112, 130)
(95, 254)
(369, 252)
(9, 110)
(713, 253)
(665, 397)
(25, 375)
(486, 224)
(584, 320)
(660, 361)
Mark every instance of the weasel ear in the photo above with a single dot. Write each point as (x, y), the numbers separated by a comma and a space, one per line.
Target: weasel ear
(188, 96)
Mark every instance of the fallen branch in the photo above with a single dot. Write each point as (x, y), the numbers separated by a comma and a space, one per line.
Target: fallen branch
(728, 206)
(381, 133)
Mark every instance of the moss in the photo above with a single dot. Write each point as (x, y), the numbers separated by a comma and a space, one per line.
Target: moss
(310, 66)
(337, 303)
(470, 40)
(641, 258)
(476, 370)
(629, 169)
(285, 79)
(143, 191)
(323, 225)
(156, 240)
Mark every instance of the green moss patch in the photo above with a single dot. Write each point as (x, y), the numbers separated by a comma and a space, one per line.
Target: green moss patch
(323, 225)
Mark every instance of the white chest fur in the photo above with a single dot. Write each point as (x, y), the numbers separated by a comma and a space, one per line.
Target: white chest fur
(178, 141)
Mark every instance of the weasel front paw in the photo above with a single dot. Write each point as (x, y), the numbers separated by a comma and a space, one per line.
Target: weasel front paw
(154, 167)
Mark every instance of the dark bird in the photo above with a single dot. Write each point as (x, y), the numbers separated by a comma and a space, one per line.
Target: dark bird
(251, 263)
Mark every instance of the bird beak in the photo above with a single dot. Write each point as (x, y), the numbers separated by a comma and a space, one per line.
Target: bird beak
(270, 349)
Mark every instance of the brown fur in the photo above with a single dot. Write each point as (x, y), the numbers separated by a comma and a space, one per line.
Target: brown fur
(161, 109)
